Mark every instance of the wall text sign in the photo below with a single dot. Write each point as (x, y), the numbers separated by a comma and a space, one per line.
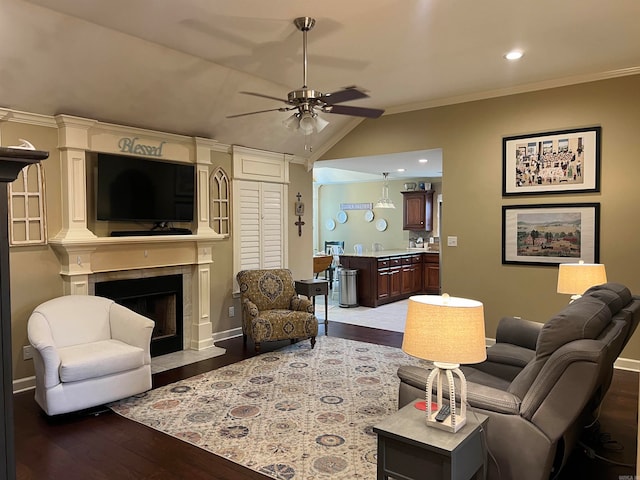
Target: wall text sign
(356, 206)
(131, 145)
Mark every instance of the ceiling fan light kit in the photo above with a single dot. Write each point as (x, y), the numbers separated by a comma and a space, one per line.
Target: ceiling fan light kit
(306, 123)
(308, 102)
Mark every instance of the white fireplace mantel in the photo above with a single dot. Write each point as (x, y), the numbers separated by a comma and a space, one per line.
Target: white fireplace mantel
(105, 254)
(82, 253)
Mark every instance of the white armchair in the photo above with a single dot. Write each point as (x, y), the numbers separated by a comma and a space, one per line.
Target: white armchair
(88, 351)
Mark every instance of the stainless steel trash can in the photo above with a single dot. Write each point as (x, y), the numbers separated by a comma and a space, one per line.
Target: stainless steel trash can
(348, 292)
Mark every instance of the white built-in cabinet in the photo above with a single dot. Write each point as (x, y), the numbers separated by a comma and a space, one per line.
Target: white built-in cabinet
(260, 225)
(260, 192)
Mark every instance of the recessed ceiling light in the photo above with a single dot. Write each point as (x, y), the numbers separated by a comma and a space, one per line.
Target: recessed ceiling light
(423, 160)
(514, 55)
(401, 169)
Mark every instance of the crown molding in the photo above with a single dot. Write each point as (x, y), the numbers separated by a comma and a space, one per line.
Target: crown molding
(503, 92)
(9, 115)
(60, 120)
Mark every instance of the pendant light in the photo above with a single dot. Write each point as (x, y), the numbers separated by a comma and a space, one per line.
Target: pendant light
(385, 201)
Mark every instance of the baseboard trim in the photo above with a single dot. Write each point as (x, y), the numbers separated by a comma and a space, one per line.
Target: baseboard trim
(227, 334)
(627, 364)
(24, 384)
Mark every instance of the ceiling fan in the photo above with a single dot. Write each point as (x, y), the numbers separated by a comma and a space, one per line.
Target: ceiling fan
(308, 102)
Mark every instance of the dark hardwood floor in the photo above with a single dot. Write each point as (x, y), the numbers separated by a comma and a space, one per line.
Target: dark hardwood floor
(107, 446)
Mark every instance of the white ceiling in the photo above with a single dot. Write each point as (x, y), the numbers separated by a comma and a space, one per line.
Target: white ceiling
(177, 66)
(370, 169)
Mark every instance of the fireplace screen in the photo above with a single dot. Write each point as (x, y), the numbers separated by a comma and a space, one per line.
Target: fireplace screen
(158, 298)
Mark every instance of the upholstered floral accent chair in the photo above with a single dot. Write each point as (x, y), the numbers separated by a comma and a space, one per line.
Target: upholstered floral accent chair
(271, 309)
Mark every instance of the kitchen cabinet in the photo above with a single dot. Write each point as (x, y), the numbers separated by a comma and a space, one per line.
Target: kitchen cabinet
(411, 274)
(388, 276)
(431, 279)
(417, 210)
(383, 280)
(395, 278)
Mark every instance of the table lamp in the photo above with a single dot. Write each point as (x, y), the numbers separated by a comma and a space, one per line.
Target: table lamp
(576, 278)
(449, 331)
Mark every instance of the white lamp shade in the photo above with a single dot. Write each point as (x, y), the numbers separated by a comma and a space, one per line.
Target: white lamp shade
(307, 123)
(445, 329)
(577, 278)
(320, 123)
(291, 122)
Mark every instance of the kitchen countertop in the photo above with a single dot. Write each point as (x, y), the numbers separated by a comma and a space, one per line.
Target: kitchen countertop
(390, 253)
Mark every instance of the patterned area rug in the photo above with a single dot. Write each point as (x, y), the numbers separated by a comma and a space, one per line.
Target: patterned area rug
(295, 413)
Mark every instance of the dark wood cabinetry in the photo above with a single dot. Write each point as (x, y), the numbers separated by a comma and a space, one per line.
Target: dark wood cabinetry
(418, 210)
(431, 279)
(385, 279)
(411, 274)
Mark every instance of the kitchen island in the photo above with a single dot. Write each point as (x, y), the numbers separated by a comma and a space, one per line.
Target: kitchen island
(391, 275)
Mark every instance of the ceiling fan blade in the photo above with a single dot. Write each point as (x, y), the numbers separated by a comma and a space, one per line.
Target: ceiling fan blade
(353, 111)
(344, 95)
(265, 96)
(282, 109)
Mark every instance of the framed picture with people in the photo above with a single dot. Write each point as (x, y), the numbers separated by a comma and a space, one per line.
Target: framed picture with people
(563, 161)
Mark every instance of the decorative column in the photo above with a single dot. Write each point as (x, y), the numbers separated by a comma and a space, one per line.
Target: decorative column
(201, 326)
(73, 142)
(75, 261)
(204, 147)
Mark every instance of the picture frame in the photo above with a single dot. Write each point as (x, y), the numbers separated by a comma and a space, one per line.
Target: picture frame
(550, 234)
(562, 161)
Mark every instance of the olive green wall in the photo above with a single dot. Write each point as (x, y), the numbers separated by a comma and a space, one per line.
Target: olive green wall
(470, 135)
(356, 229)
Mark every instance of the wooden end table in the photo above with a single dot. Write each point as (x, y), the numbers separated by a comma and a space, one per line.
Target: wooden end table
(312, 287)
(409, 449)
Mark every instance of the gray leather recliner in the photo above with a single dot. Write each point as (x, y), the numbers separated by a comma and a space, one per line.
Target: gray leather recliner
(542, 383)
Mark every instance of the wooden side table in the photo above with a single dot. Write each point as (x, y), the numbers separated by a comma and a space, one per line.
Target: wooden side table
(312, 287)
(409, 449)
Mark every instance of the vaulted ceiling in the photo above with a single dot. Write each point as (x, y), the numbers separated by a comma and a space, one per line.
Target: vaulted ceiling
(178, 66)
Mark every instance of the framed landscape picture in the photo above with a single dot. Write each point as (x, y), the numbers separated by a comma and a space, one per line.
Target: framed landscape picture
(564, 161)
(550, 234)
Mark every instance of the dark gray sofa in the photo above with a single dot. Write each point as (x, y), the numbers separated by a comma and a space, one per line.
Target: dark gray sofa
(542, 383)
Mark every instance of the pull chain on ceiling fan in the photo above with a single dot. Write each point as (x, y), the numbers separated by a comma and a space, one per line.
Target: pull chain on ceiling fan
(308, 102)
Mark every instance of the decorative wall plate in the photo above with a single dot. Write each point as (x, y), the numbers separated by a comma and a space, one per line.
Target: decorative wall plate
(381, 225)
(330, 224)
(342, 216)
(368, 215)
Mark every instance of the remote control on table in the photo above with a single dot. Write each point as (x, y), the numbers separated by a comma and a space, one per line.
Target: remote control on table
(444, 412)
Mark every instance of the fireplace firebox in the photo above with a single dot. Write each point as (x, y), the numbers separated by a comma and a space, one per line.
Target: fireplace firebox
(158, 298)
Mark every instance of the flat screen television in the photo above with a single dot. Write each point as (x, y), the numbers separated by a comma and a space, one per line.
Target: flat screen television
(141, 190)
